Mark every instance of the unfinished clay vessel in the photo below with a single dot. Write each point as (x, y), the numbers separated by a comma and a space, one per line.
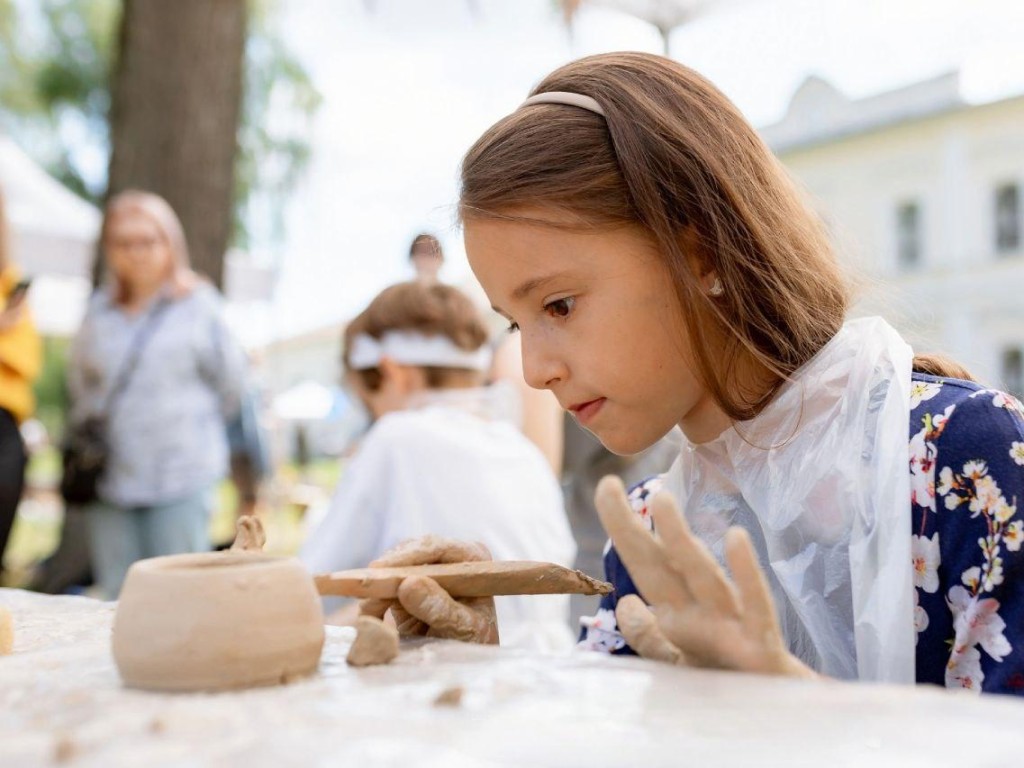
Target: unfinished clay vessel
(217, 620)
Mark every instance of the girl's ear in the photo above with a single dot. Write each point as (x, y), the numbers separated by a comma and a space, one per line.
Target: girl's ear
(700, 264)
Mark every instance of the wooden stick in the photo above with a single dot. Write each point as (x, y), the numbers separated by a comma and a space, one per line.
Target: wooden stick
(473, 579)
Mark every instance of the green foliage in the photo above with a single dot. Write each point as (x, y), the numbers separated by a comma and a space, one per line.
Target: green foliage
(56, 60)
(273, 138)
(54, 84)
(50, 387)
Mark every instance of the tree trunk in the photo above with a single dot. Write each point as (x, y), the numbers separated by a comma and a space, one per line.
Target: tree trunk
(175, 107)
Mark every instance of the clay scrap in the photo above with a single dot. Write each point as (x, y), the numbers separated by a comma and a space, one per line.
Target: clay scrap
(376, 643)
(474, 579)
(249, 535)
(6, 632)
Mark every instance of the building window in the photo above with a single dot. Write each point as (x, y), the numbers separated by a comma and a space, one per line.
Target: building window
(1008, 218)
(908, 235)
(1013, 371)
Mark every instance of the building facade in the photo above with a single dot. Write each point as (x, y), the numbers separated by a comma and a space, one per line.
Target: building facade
(922, 192)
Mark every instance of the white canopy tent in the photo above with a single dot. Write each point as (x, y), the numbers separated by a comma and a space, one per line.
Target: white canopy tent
(55, 231)
(53, 236)
(306, 401)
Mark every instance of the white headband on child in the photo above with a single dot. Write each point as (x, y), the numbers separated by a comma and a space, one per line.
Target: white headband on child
(413, 348)
(564, 97)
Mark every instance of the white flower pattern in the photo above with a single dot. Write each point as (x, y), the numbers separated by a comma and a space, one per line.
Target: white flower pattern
(1017, 452)
(925, 552)
(973, 490)
(920, 616)
(922, 390)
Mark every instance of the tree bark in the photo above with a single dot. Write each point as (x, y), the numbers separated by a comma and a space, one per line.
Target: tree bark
(175, 108)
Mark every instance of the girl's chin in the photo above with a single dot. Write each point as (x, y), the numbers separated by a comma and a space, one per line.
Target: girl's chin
(624, 443)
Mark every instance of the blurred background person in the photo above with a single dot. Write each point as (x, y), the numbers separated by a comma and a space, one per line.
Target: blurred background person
(21, 358)
(443, 455)
(426, 257)
(158, 325)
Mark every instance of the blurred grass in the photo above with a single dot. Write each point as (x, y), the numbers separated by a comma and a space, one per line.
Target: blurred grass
(282, 506)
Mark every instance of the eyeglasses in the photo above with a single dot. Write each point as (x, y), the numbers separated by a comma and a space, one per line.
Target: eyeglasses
(132, 244)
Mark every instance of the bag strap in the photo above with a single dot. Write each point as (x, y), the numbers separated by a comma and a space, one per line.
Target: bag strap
(135, 354)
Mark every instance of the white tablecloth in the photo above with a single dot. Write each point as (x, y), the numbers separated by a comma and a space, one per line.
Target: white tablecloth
(61, 701)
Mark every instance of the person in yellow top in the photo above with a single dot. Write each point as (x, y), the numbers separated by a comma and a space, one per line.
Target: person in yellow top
(21, 358)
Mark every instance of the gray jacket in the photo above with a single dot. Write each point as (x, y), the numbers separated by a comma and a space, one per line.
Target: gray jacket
(166, 430)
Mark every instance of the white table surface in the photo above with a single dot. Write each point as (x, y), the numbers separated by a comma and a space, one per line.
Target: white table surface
(62, 702)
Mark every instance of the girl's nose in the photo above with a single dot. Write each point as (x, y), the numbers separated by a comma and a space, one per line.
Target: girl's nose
(542, 367)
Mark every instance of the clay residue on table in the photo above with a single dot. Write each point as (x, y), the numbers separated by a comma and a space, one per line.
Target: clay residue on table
(517, 708)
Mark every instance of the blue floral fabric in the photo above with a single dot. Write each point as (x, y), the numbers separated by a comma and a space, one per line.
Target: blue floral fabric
(966, 463)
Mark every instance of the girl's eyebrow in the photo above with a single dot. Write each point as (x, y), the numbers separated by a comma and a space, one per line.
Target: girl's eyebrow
(529, 286)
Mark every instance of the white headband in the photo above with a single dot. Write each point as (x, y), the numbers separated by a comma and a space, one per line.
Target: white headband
(564, 97)
(413, 348)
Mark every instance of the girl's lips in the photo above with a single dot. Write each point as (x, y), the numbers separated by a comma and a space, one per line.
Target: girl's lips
(585, 412)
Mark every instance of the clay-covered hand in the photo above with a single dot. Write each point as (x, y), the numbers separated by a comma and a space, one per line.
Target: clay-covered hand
(700, 617)
(423, 607)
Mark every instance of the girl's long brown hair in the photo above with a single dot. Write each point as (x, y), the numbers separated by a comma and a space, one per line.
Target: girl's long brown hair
(674, 156)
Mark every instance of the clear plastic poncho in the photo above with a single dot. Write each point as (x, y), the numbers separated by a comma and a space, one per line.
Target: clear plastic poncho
(821, 481)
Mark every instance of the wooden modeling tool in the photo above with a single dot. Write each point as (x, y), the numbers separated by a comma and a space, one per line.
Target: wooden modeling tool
(473, 579)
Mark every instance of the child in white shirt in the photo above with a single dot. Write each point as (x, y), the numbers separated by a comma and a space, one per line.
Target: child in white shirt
(442, 457)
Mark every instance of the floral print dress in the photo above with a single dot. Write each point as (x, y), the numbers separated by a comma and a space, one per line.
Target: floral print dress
(966, 464)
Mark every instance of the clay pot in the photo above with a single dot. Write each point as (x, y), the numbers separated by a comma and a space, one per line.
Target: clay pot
(217, 620)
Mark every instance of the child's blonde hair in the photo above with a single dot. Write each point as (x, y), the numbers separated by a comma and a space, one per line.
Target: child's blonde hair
(435, 309)
(674, 156)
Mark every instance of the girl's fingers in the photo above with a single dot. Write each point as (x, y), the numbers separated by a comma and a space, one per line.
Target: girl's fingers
(424, 599)
(688, 556)
(407, 624)
(636, 546)
(640, 629)
(754, 592)
(431, 549)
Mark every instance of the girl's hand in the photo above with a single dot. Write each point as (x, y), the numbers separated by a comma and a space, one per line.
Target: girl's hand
(700, 617)
(423, 608)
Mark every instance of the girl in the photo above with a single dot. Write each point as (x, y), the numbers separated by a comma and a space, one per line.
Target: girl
(663, 270)
(155, 361)
(417, 357)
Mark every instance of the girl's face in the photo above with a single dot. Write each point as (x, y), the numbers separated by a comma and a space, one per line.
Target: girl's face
(137, 251)
(600, 326)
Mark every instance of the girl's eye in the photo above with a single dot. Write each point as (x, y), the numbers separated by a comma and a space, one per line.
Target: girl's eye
(512, 328)
(560, 307)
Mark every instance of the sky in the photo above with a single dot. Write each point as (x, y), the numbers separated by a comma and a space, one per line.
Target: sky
(408, 85)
